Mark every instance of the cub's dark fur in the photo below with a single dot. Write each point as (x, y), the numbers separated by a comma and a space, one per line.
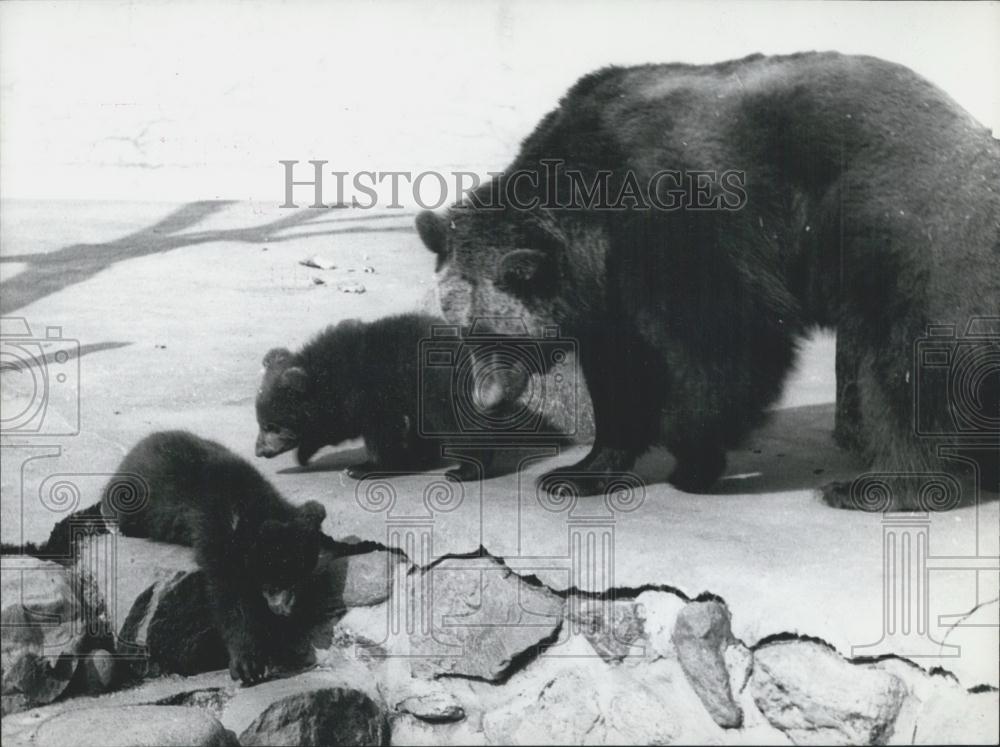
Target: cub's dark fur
(871, 204)
(257, 550)
(355, 380)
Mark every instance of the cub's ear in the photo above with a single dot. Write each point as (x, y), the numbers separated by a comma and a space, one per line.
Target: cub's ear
(276, 355)
(295, 378)
(312, 513)
(527, 271)
(433, 230)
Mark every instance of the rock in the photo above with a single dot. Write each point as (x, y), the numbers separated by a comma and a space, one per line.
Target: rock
(612, 628)
(351, 287)
(340, 706)
(368, 577)
(170, 629)
(658, 611)
(815, 696)
(331, 716)
(739, 664)
(976, 632)
(135, 725)
(98, 671)
(202, 689)
(701, 636)
(958, 718)
(124, 568)
(435, 708)
(415, 732)
(481, 618)
(45, 619)
(318, 262)
(581, 705)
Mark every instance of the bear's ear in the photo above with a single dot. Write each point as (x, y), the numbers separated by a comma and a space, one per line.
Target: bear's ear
(526, 271)
(276, 355)
(295, 378)
(433, 230)
(312, 513)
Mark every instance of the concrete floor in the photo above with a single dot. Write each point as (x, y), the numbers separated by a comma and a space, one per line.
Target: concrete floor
(173, 307)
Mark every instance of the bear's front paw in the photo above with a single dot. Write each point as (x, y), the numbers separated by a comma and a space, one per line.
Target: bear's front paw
(247, 662)
(843, 494)
(697, 473)
(564, 482)
(603, 469)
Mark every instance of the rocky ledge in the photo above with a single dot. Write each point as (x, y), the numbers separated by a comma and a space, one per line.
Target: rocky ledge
(462, 651)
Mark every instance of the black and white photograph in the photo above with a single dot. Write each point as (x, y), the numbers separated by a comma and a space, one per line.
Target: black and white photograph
(439, 372)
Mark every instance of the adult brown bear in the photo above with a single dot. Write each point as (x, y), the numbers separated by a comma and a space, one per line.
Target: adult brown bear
(687, 224)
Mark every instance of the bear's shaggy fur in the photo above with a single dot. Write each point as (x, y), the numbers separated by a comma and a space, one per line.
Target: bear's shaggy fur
(869, 202)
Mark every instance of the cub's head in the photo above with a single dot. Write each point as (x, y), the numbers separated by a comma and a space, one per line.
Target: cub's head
(501, 265)
(282, 404)
(283, 554)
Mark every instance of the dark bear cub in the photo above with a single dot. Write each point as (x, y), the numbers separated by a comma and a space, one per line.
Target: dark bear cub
(258, 551)
(362, 380)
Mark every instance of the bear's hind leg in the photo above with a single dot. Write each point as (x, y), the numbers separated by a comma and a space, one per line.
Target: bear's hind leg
(907, 472)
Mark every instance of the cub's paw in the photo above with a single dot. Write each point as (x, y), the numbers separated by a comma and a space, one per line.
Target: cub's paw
(247, 662)
(361, 471)
(305, 452)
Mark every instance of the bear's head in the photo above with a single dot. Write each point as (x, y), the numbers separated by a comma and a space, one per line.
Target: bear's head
(283, 554)
(513, 270)
(283, 411)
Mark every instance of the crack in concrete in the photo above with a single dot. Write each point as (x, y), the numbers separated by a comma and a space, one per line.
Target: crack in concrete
(965, 617)
(627, 593)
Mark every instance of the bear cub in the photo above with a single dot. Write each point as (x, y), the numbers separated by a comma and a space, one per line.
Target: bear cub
(257, 550)
(259, 553)
(364, 380)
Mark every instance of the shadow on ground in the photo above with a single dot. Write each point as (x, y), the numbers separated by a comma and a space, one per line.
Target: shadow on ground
(49, 272)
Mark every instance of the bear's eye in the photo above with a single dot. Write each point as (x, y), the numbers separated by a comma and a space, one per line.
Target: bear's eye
(272, 428)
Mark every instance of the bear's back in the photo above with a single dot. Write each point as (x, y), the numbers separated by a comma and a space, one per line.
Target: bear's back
(727, 114)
